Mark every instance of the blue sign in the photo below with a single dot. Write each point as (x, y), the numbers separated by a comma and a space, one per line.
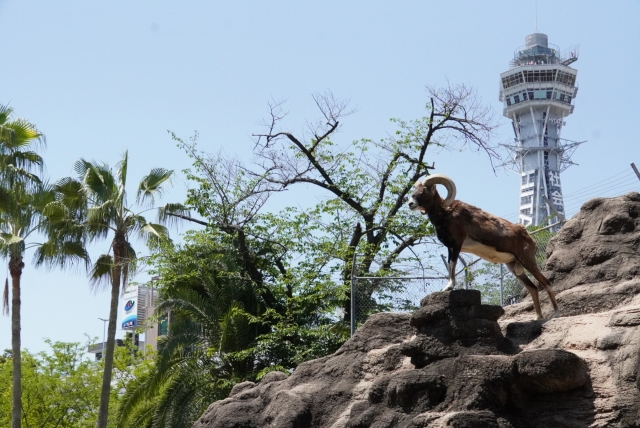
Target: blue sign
(130, 322)
(129, 305)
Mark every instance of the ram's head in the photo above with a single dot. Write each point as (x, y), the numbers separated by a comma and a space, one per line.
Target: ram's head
(425, 196)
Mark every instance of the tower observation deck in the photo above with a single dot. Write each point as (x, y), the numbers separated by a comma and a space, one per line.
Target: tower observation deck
(538, 92)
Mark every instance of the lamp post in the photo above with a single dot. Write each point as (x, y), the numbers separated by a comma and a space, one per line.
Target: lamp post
(104, 329)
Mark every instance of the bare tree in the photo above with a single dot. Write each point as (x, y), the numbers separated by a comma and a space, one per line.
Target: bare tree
(372, 179)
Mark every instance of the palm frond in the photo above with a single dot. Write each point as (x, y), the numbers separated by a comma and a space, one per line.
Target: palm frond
(71, 192)
(130, 265)
(97, 178)
(13, 174)
(122, 173)
(151, 233)
(165, 214)
(100, 273)
(25, 159)
(136, 405)
(100, 217)
(10, 239)
(61, 254)
(5, 113)
(19, 134)
(151, 185)
(5, 297)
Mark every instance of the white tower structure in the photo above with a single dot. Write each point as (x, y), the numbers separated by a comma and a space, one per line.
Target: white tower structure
(537, 92)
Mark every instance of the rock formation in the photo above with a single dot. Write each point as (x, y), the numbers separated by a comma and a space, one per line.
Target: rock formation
(458, 363)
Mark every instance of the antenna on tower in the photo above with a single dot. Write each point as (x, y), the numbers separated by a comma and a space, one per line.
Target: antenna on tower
(536, 16)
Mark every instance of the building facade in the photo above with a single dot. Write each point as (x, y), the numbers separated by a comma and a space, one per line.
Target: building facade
(136, 311)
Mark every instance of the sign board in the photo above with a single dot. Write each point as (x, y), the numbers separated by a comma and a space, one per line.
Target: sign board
(129, 308)
(137, 300)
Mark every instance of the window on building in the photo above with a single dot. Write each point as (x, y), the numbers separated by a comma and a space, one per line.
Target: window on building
(516, 99)
(526, 199)
(539, 94)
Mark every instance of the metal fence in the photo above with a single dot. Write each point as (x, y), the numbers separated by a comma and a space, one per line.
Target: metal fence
(498, 286)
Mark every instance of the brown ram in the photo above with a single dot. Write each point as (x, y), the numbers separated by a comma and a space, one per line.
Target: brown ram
(464, 228)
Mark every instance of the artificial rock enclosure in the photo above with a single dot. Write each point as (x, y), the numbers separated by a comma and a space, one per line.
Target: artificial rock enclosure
(457, 363)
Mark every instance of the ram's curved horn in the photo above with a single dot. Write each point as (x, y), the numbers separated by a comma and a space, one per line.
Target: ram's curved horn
(446, 182)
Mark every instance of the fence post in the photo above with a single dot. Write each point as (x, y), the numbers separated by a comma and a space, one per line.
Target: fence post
(466, 272)
(353, 293)
(501, 284)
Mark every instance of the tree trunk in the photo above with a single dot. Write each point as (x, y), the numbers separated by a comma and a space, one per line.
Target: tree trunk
(15, 269)
(111, 341)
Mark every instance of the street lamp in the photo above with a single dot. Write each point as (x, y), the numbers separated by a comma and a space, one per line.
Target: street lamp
(104, 327)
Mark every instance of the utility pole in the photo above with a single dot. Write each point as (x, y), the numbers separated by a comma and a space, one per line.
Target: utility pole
(635, 169)
(104, 330)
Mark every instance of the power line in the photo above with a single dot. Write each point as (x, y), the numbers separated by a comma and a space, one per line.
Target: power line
(585, 191)
(614, 192)
(622, 180)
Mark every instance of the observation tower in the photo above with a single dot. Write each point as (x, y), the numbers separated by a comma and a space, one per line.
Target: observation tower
(538, 92)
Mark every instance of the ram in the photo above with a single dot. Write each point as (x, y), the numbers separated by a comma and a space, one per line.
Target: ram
(464, 228)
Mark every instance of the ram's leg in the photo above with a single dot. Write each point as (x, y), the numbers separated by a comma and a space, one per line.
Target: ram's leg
(546, 284)
(451, 268)
(530, 286)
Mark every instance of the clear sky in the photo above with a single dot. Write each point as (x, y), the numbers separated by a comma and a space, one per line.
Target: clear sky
(99, 78)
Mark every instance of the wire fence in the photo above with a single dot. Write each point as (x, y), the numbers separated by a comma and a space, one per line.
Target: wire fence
(497, 285)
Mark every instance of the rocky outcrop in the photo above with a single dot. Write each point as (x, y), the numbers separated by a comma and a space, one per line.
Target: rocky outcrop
(594, 266)
(458, 363)
(594, 261)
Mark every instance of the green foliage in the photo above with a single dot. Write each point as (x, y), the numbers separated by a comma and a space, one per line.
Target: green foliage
(99, 195)
(19, 139)
(61, 388)
(222, 331)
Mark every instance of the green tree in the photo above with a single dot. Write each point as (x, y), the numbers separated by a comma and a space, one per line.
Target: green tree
(109, 215)
(221, 332)
(30, 217)
(361, 186)
(208, 323)
(61, 388)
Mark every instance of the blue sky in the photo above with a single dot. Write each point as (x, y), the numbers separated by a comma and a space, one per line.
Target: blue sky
(99, 78)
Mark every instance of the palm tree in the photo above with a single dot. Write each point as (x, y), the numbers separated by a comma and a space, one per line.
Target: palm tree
(108, 215)
(18, 139)
(26, 214)
(28, 210)
(197, 361)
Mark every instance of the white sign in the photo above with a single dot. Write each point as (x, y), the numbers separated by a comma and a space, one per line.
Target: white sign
(129, 308)
(554, 178)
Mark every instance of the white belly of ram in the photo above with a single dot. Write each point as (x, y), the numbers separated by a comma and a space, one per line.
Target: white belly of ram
(484, 251)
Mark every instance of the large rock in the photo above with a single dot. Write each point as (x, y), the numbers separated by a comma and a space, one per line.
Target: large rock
(458, 363)
(457, 371)
(594, 261)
